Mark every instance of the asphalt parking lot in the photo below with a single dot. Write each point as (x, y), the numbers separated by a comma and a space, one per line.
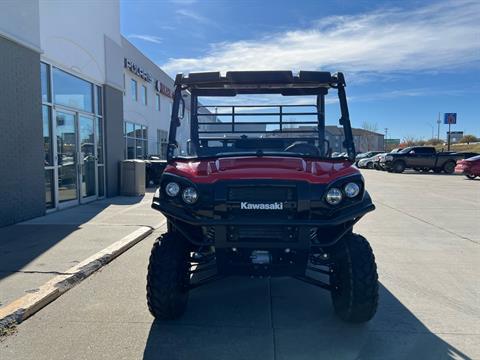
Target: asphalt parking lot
(426, 237)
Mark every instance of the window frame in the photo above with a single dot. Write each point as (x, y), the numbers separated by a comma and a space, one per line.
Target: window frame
(144, 95)
(133, 89)
(138, 135)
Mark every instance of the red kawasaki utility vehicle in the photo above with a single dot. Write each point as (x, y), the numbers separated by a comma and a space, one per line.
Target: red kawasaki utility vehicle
(253, 190)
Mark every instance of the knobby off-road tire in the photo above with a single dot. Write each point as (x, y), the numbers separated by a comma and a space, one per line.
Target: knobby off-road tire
(355, 275)
(168, 277)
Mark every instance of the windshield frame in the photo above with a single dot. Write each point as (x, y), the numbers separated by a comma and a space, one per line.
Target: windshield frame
(182, 85)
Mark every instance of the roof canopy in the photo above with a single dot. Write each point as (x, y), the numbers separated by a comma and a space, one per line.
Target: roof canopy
(258, 82)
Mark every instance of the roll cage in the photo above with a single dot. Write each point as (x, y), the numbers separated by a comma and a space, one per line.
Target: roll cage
(234, 83)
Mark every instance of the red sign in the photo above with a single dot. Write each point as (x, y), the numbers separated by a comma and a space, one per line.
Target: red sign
(163, 89)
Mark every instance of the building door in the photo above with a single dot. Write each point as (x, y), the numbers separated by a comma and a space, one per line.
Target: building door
(76, 168)
(87, 158)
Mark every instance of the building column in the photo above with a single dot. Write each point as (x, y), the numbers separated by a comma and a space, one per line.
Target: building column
(114, 140)
(22, 177)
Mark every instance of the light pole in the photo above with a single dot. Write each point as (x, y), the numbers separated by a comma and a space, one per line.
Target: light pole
(432, 129)
(385, 140)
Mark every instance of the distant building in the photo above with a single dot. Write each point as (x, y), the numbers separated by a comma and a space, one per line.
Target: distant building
(364, 140)
(455, 136)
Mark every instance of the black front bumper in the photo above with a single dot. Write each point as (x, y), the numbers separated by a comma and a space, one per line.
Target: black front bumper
(341, 218)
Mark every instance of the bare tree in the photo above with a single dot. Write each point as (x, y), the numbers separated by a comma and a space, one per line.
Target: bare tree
(370, 129)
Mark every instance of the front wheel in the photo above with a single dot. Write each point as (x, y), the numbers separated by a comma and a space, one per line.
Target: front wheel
(168, 277)
(354, 279)
(471, 176)
(398, 166)
(449, 167)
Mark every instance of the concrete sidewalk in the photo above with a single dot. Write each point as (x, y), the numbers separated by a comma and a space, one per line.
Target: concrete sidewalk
(35, 251)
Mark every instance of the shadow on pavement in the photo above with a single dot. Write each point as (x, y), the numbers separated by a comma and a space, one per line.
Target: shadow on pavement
(282, 318)
(22, 243)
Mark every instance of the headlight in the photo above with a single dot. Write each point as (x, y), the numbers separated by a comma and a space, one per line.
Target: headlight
(352, 189)
(190, 195)
(389, 157)
(172, 189)
(334, 196)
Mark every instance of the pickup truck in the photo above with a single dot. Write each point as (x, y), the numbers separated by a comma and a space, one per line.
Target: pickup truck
(423, 158)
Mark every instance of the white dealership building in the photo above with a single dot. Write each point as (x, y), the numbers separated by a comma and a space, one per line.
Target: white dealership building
(76, 98)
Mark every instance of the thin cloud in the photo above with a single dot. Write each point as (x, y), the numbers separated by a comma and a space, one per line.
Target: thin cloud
(149, 38)
(193, 16)
(443, 35)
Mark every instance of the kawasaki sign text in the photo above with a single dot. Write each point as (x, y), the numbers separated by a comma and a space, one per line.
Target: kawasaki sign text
(244, 205)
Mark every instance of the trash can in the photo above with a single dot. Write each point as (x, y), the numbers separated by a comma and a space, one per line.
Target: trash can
(132, 177)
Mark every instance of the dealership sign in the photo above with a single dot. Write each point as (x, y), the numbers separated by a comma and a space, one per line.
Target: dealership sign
(163, 89)
(137, 70)
(450, 118)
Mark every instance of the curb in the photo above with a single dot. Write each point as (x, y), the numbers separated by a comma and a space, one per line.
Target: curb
(19, 310)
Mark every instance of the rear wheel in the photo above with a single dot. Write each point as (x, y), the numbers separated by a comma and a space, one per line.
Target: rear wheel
(398, 166)
(168, 277)
(370, 165)
(355, 297)
(449, 167)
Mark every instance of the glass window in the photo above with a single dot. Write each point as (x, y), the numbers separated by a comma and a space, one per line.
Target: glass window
(145, 148)
(100, 140)
(139, 149)
(133, 89)
(157, 102)
(138, 131)
(144, 95)
(162, 141)
(47, 136)
(72, 91)
(135, 141)
(49, 199)
(99, 100)
(130, 129)
(45, 79)
(130, 148)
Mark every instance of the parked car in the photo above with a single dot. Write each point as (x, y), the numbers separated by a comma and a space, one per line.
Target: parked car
(421, 157)
(467, 155)
(366, 155)
(369, 163)
(469, 167)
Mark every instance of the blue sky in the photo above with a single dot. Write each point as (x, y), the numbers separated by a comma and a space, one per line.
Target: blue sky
(404, 61)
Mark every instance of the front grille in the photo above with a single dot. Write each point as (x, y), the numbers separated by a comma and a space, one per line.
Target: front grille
(258, 233)
(261, 193)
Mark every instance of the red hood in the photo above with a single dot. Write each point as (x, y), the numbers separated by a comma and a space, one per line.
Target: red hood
(267, 167)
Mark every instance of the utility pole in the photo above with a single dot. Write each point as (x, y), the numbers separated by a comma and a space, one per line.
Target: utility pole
(438, 127)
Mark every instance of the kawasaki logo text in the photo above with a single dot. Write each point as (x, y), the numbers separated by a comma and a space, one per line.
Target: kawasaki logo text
(261, 206)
